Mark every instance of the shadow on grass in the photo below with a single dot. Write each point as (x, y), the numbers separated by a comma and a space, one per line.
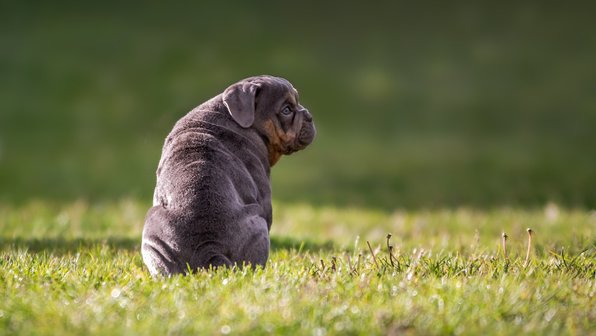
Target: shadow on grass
(68, 245)
(289, 243)
(73, 245)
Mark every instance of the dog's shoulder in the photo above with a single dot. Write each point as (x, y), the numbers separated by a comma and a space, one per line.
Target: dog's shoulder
(207, 134)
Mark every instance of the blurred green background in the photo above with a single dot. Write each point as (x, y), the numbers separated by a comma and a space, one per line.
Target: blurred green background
(417, 104)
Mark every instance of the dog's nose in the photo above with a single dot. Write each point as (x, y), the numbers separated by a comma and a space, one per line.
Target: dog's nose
(307, 115)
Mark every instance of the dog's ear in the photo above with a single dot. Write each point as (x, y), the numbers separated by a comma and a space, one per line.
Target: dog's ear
(239, 98)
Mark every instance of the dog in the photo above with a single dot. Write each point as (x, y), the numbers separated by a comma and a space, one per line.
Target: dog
(212, 200)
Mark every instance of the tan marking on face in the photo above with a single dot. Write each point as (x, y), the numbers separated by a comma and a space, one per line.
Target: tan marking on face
(279, 141)
(274, 142)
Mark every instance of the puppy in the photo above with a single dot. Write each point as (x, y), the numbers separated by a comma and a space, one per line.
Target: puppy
(212, 200)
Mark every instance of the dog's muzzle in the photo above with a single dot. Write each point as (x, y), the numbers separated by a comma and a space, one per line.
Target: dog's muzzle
(307, 132)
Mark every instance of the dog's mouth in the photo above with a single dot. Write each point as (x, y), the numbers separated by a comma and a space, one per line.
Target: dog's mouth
(305, 136)
(303, 139)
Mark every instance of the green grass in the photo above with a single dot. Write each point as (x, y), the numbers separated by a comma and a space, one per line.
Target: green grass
(76, 269)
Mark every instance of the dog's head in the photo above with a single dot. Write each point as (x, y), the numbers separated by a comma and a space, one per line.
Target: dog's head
(270, 105)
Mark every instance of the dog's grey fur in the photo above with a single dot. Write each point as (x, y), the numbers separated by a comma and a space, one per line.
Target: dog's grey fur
(212, 201)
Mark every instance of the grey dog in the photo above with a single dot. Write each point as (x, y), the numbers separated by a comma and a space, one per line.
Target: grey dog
(212, 200)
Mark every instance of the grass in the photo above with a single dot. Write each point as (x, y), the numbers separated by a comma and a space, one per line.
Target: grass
(76, 269)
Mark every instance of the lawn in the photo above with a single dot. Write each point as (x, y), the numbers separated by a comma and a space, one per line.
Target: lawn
(76, 269)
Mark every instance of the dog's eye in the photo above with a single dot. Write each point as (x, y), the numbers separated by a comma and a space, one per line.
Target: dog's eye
(286, 110)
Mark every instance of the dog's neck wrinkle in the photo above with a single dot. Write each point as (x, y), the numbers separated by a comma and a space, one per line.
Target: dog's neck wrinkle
(214, 108)
(250, 140)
